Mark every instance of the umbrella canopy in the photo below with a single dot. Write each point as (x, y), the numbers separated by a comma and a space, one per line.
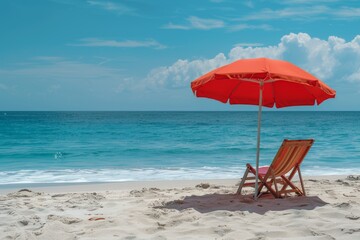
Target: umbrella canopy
(284, 84)
(263, 82)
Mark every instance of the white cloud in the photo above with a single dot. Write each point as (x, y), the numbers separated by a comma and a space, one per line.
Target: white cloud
(207, 24)
(303, 12)
(182, 72)
(111, 6)
(197, 23)
(333, 59)
(355, 77)
(176, 26)
(96, 42)
(347, 12)
(290, 12)
(202, 23)
(245, 26)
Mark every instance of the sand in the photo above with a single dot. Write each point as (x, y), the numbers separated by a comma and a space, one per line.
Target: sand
(200, 209)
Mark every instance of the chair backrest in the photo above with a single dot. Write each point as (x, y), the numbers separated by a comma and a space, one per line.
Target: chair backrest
(290, 154)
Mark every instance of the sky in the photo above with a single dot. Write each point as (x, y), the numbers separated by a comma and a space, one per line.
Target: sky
(139, 55)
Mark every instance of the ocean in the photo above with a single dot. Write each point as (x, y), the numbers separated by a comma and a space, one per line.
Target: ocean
(69, 147)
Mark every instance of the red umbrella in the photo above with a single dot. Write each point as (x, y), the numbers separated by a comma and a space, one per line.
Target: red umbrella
(263, 82)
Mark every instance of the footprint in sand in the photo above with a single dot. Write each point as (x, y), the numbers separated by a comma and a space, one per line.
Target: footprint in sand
(352, 217)
(348, 195)
(24, 222)
(136, 193)
(222, 230)
(31, 223)
(353, 177)
(155, 214)
(350, 230)
(318, 234)
(24, 193)
(223, 214)
(313, 180)
(129, 237)
(331, 193)
(342, 182)
(64, 219)
(203, 185)
(343, 205)
(58, 195)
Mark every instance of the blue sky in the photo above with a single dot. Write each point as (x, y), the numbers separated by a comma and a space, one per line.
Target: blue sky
(142, 55)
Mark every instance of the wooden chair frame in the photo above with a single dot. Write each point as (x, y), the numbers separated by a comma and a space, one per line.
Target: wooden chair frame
(283, 163)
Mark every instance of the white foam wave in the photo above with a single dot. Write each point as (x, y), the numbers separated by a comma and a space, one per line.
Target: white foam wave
(114, 175)
(138, 174)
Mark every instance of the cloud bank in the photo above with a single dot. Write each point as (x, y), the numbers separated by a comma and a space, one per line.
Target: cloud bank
(333, 59)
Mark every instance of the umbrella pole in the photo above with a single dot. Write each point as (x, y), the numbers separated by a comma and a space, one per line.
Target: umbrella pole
(258, 141)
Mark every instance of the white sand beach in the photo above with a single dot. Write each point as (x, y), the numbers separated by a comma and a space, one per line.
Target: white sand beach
(206, 209)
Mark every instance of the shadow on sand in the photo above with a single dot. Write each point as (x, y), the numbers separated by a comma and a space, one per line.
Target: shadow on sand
(232, 202)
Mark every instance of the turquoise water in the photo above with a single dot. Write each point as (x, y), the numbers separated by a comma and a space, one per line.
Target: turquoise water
(50, 147)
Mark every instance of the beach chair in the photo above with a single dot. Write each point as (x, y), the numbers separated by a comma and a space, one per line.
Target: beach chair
(287, 160)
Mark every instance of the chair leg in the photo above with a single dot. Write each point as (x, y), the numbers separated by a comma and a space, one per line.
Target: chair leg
(242, 181)
(301, 181)
(275, 184)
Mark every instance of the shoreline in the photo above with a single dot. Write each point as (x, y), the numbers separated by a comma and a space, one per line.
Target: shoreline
(130, 185)
(108, 186)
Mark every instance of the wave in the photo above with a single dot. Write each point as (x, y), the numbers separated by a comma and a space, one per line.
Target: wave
(142, 174)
